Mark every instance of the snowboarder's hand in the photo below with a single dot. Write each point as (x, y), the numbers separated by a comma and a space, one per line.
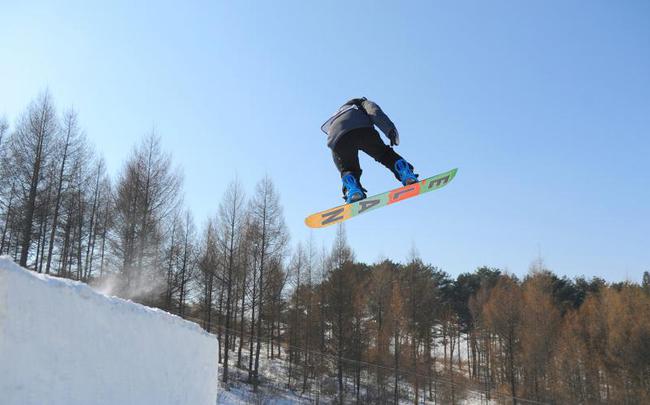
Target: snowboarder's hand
(393, 135)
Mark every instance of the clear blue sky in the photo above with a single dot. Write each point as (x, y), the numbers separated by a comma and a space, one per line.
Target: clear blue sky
(544, 106)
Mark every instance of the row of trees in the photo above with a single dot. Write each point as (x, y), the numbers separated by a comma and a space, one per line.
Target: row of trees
(61, 214)
(54, 194)
(348, 330)
(542, 339)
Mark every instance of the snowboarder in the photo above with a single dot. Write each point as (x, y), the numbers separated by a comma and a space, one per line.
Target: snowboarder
(352, 128)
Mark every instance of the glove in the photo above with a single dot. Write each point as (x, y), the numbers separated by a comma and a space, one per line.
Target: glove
(393, 136)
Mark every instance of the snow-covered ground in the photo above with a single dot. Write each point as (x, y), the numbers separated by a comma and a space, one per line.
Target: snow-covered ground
(273, 389)
(63, 343)
(238, 393)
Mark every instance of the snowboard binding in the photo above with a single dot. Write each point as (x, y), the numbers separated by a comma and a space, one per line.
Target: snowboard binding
(405, 172)
(352, 190)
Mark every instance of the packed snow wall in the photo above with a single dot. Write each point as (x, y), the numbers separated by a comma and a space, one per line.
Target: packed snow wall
(63, 343)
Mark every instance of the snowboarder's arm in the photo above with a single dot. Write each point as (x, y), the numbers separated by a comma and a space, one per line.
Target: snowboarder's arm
(378, 117)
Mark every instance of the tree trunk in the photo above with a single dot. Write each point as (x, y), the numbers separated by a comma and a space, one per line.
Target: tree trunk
(251, 371)
(33, 188)
(57, 200)
(241, 320)
(7, 220)
(261, 301)
(91, 227)
(231, 254)
(396, 362)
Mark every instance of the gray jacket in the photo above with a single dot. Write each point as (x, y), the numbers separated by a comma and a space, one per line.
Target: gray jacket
(354, 114)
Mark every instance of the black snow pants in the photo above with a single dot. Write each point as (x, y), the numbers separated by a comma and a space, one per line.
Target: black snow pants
(346, 151)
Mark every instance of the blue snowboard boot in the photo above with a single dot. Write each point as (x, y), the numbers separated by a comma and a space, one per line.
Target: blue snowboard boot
(352, 189)
(405, 172)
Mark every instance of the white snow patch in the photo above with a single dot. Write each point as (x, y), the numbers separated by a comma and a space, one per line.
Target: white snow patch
(63, 343)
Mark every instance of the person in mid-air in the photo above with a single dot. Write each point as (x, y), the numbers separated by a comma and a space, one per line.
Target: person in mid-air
(352, 128)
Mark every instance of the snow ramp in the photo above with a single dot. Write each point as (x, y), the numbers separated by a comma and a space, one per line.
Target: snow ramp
(63, 343)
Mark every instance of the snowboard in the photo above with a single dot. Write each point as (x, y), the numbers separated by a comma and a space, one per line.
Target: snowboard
(344, 212)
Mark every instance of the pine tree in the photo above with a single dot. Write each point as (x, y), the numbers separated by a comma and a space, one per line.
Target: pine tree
(147, 195)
